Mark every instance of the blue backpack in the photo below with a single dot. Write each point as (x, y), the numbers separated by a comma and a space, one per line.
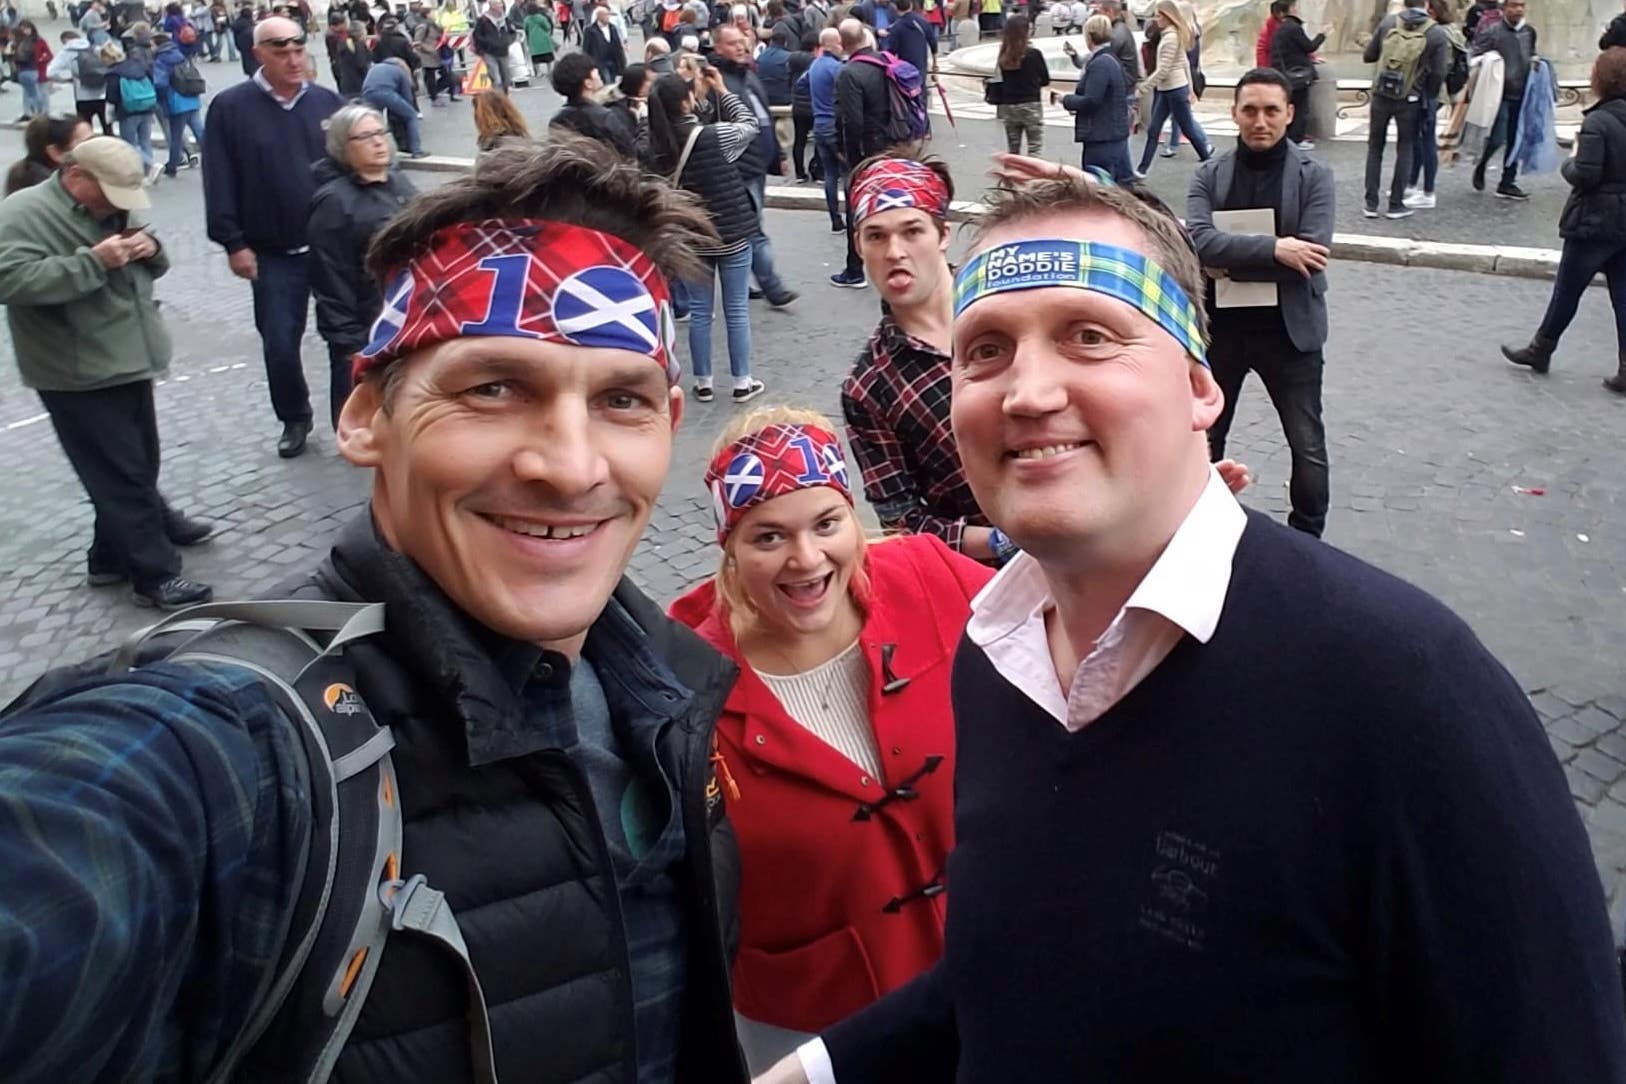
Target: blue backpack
(906, 119)
(137, 95)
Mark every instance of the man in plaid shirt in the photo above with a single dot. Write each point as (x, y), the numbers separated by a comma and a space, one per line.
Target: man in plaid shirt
(896, 399)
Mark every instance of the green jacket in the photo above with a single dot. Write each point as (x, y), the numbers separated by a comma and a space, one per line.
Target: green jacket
(75, 325)
(539, 33)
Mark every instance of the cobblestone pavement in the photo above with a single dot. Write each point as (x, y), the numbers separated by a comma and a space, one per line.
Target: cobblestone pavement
(1429, 433)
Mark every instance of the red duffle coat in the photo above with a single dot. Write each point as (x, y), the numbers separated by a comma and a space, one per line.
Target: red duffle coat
(841, 874)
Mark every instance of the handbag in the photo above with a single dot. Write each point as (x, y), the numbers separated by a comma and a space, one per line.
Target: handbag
(993, 91)
(683, 159)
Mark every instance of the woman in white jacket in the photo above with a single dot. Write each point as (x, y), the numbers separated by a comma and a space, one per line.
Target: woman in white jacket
(1171, 84)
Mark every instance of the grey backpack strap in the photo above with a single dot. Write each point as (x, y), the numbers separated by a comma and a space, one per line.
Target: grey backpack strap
(417, 908)
(347, 620)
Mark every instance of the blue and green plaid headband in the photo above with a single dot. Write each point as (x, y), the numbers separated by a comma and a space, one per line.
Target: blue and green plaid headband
(1107, 269)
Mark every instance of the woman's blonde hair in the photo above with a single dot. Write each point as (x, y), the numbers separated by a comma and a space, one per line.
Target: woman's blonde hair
(733, 603)
(1177, 22)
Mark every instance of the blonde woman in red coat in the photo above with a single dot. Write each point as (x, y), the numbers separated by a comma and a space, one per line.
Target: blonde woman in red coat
(835, 749)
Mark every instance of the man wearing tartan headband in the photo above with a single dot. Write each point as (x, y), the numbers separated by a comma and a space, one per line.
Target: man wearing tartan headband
(1201, 678)
(516, 406)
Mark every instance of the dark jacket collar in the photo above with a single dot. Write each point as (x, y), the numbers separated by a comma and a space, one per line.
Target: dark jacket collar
(474, 671)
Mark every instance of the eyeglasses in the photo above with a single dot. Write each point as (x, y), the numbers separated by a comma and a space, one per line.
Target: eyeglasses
(368, 137)
(284, 43)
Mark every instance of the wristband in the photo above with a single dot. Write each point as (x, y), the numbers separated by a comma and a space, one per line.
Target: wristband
(1002, 546)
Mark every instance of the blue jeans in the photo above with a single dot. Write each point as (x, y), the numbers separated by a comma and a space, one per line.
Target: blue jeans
(735, 272)
(1112, 156)
(179, 125)
(136, 130)
(761, 248)
(397, 108)
(36, 96)
(829, 155)
(1174, 103)
(1425, 162)
(281, 304)
(1580, 261)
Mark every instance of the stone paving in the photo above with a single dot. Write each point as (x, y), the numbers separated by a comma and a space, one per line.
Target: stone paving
(1429, 432)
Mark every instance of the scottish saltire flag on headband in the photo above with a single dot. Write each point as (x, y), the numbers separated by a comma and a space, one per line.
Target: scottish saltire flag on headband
(894, 183)
(1117, 272)
(527, 279)
(769, 463)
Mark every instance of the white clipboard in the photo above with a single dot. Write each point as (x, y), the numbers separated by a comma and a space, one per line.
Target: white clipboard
(1228, 293)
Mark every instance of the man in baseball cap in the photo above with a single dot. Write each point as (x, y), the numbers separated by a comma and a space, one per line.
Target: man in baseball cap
(113, 169)
(76, 277)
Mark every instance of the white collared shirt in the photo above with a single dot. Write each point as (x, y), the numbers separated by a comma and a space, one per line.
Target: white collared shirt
(265, 84)
(1183, 594)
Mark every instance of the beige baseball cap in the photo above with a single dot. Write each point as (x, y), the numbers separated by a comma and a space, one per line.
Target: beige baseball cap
(117, 168)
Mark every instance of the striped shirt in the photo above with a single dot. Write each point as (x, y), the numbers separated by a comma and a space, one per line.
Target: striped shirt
(832, 701)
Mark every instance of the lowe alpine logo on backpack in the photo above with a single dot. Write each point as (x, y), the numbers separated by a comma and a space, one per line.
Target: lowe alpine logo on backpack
(906, 98)
(1402, 54)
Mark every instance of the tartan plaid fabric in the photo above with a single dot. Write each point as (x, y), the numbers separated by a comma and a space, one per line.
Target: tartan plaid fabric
(770, 463)
(892, 183)
(529, 279)
(1106, 269)
(896, 403)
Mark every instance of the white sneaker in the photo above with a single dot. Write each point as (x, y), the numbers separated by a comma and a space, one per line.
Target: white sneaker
(154, 173)
(1420, 201)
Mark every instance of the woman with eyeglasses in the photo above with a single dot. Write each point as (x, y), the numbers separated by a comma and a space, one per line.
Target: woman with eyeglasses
(835, 750)
(359, 188)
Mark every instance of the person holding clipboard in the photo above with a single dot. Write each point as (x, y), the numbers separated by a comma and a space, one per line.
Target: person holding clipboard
(1261, 217)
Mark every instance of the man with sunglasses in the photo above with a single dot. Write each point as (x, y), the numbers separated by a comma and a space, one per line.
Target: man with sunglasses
(261, 139)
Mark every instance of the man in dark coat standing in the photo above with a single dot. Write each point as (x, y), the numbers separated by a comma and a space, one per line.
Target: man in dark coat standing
(602, 41)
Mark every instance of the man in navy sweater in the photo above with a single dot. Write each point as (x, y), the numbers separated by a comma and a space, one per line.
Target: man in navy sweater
(1230, 804)
(260, 141)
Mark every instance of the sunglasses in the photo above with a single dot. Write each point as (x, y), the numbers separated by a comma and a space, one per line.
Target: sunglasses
(283, 43)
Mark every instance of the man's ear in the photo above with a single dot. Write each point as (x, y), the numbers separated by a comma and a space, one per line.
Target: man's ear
(360, 420)
(1207, 401)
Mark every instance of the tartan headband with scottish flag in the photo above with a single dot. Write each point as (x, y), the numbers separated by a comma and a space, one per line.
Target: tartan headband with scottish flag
(891, 184)
(1116, 272)
(769, 463)
(526, 279)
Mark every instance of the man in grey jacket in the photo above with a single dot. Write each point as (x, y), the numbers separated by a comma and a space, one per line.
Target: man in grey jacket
(1400, 96)
(1515, 40)
(1278, 337)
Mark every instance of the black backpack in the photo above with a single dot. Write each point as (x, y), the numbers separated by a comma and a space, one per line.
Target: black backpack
(353, 890)
(186, 80)
(90, 71)
(1456, 76)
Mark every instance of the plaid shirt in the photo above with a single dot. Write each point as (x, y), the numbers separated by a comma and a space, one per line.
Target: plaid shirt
(151, 830)
(896, 402)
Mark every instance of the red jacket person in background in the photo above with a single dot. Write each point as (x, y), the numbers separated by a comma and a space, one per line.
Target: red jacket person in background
(836, 745)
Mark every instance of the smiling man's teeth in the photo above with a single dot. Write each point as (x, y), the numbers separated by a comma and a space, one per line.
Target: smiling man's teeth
(544, 530)
(1047, 451)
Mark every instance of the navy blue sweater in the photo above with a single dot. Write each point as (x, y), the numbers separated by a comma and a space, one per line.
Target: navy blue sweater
(1332, 844)
(257, 158)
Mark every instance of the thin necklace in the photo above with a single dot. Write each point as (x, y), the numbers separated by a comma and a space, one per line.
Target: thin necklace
(829, 681)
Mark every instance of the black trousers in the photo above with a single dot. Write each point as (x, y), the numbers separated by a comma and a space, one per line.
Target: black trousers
(94, 109)
(1301, 114)
(111, 437)
(801, 128)
(339, 359)
(1405, 116)
(1292, 378)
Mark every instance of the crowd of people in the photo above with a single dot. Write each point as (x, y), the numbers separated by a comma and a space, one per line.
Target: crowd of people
(462, 803)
